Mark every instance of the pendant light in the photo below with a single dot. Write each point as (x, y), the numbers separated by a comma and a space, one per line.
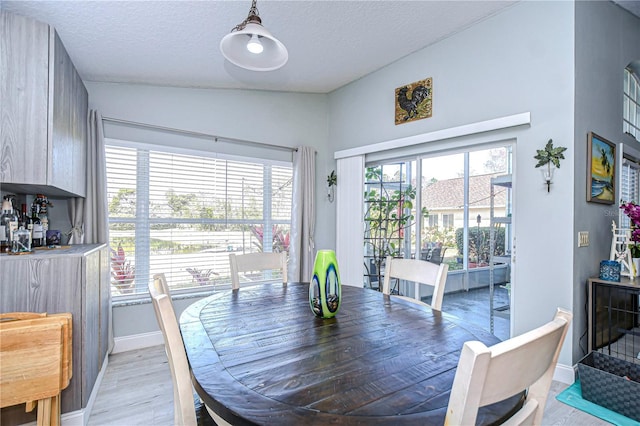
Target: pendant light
(251, 46)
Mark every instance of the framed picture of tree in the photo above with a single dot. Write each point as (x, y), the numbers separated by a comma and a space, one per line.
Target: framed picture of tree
(601, 170)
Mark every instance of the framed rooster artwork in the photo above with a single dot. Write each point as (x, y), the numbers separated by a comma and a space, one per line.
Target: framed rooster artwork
(414, 101)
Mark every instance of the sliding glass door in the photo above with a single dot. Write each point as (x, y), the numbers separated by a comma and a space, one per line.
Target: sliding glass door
(452, 208)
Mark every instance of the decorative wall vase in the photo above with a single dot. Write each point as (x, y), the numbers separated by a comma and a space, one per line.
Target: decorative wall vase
(325, 291)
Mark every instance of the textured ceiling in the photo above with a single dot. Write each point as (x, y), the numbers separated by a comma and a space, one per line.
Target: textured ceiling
(176, 43)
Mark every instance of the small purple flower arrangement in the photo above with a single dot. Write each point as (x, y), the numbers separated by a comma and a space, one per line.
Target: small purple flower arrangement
(632, 210)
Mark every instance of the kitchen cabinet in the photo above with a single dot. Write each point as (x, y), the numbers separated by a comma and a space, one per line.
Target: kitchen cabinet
(76, 280)
(43, 112)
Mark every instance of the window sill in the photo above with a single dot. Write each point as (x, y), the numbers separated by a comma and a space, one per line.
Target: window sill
(143, 298)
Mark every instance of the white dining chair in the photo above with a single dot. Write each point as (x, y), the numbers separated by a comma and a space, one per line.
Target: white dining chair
(486, 375)
(183, 401)
(161, 285)
(254, 262)
(420, 272)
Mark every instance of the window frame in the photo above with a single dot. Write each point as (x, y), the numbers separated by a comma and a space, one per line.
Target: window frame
(631, 103)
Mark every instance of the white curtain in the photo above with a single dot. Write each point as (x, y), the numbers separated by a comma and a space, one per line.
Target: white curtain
(303, 214)
(89, 215)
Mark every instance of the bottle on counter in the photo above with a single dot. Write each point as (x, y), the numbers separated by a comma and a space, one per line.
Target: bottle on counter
(37, 236)
(21, 242)
(25, 222)
(8, 224)
(43, 203)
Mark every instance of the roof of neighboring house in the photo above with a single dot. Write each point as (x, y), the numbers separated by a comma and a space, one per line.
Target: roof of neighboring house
(448, 194)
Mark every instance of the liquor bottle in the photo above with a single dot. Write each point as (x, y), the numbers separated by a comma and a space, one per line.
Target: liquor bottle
(37, 237)
(25, 222)
(43, 202)
(8, 224)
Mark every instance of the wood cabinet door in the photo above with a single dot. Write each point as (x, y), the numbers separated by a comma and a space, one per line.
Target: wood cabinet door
(55, 286)
(68, 137)
(24, 88)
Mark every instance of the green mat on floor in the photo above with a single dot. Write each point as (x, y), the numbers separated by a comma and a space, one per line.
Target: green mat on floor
(572, 396)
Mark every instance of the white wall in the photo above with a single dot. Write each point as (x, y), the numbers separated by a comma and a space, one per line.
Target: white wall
(517, 61)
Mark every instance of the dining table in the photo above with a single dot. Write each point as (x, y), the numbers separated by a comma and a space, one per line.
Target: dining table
(258, 355)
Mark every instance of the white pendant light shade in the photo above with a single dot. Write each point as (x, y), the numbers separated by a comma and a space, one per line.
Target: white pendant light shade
(238, 47)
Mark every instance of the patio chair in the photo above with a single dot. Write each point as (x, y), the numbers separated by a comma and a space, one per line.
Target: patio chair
(486, 375)
(437, 255)
(420, 272)
(252, 262)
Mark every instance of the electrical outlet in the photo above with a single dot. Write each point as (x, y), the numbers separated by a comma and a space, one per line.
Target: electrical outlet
(583, 239)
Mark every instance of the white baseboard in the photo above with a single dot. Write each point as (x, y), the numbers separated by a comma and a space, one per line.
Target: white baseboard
(137, 341)
(564, 374)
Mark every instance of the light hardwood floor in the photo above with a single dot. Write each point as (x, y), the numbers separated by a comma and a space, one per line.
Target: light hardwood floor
(137, 390)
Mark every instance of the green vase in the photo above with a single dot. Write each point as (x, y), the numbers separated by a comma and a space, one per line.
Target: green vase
(324, 290)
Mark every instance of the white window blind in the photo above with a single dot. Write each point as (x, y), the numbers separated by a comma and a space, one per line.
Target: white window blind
(629, 187)
(183, 214)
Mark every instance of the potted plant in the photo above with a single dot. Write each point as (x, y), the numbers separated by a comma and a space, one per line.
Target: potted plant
(123, 272)
(388, 214)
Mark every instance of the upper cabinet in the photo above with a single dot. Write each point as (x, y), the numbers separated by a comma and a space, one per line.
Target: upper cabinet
(43, 132)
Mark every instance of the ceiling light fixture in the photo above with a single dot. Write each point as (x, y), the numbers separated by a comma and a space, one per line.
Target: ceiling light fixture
(251, 46)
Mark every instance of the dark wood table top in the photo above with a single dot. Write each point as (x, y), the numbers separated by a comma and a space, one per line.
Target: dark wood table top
(259, 356)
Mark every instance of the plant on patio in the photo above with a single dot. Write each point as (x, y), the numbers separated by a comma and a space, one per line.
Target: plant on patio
(479, 243)
(202, 276)
(122, 272)
(280, 238)
(388, 214)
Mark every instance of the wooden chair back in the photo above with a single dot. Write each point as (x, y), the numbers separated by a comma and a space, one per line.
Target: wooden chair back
(252, 262)
(161, 285)
(35, 361)
(420, 272)
(183, 402)
(490, 374)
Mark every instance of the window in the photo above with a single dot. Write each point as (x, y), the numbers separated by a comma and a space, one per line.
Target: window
(631, 104)
(182, 214)
(433, 220)
(447, 220)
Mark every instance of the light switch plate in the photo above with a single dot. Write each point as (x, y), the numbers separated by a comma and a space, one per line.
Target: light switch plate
(583, 239)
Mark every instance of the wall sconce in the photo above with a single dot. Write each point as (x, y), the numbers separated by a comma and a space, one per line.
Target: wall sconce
(547, 175)
(550, 157)
(332, 181)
